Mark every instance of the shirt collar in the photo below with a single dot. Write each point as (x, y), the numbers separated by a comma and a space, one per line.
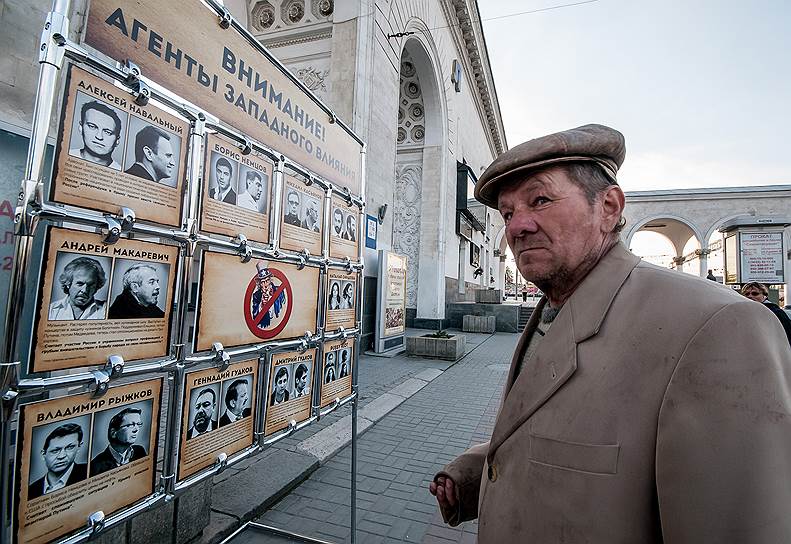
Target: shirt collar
(59, 483)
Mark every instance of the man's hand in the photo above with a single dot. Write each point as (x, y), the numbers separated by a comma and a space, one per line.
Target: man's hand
(445, 490)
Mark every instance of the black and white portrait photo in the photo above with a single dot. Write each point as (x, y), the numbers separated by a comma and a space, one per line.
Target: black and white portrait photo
(338, 223)
(58, 455)
(301, 380)
(236, 395)
(152, 153)
(204, 407)
(334, 297)
(252, 192)
(344, 358)
(120, 436)
(222, 178)
(310, 213)
(330, 369)
(80, 287)
(347, 295)
(139, 290)
(292, 207)
(351, 227)
(281, 385)
(98, 131)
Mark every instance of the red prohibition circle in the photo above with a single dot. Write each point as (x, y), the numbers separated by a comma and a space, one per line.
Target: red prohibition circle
(252, 325)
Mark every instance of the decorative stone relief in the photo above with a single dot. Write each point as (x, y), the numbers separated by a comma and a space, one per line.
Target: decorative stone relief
(293, 11)
(411, 115)
(263, 15)
(406, 223)
(313, 79)
(322, 8)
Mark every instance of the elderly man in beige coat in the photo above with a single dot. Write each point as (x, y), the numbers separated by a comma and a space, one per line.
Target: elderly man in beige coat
(643, 405)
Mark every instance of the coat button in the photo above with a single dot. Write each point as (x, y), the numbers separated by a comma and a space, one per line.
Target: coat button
(492, 473)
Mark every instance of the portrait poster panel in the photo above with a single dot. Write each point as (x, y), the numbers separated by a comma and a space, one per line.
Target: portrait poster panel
(81, 454)
(344, 230)
(301, 223)
(222, 72)
(218, 414)
(253, 302)
(113, 153)
(289, 392)
(336, 370)
(395, 294)
(98, 300)
(341, 299)
(236, 195)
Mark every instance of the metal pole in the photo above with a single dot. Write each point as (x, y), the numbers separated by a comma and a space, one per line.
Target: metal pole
(357, 343)
(277, 204)
(50, 60)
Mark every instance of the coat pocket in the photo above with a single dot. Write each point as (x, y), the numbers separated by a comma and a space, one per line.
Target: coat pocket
(595, 458)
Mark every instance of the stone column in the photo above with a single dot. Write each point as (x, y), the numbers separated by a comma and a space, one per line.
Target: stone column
(679, 262)
(703, 256)
(501, 274)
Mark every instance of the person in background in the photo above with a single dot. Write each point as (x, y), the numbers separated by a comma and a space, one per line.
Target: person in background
(760, 293)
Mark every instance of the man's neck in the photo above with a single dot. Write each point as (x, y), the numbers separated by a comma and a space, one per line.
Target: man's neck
(148, 168)
(559, 293)
(105, 160)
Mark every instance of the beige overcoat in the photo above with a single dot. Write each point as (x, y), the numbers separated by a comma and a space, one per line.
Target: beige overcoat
(656, 409)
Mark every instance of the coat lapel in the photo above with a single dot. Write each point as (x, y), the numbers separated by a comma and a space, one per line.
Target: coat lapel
(555, 360)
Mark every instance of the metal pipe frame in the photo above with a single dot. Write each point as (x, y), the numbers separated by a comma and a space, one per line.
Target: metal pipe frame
(32, 208)
(55, 30)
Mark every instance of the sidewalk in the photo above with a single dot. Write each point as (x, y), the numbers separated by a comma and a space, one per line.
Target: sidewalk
(385, 383)
(440, 409)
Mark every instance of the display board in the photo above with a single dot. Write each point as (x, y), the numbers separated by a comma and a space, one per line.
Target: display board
(336, 370)
(80, 454)
(226, 74)
(112, 152)
(290, 389)
(236, 191)
(344, 229)
(244, 303)
(98, 300)
(301, 220)
(218, 414)
(111, 284)
(762, 257)
(391, 301)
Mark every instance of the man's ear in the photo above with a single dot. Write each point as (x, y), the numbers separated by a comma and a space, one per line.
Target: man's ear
(148, 152)
(612, 203)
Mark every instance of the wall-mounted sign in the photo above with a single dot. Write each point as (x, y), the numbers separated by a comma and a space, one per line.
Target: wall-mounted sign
(236, 192)
(98, 300)
(371, 227)
(290, 389)
(248, 303)
(222, 72)
(112, 152)
(218, 414)
(82, 454)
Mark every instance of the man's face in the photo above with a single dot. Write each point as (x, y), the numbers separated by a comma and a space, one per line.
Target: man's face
(148, 290)
(242, 399)
(293, 204)
(98, 134)
(280, 383)
(337, 219)
(255, 187)
(301, 381)
(61, 452)
(550, 226)
(163, 159)
(265, 284)
(223, 177)
(204, 410)
(82, 289)
(126, 434)
(313, 211)
(755, 294)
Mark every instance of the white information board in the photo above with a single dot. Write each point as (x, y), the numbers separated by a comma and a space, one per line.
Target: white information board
(762, 257)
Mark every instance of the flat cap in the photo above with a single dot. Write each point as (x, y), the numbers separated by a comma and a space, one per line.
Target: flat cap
(596, 143)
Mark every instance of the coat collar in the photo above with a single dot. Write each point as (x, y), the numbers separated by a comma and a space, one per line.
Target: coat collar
(555, 360)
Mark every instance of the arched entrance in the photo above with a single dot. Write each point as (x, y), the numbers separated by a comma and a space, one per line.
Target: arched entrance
(421, 176)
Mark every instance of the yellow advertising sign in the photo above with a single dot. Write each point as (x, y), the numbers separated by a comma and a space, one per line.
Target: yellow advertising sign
(220, 71)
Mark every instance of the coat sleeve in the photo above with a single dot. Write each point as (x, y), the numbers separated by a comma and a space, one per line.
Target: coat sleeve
(465, 471)
(723, 449)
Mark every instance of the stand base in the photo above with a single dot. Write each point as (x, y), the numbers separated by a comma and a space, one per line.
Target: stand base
(256, 533)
